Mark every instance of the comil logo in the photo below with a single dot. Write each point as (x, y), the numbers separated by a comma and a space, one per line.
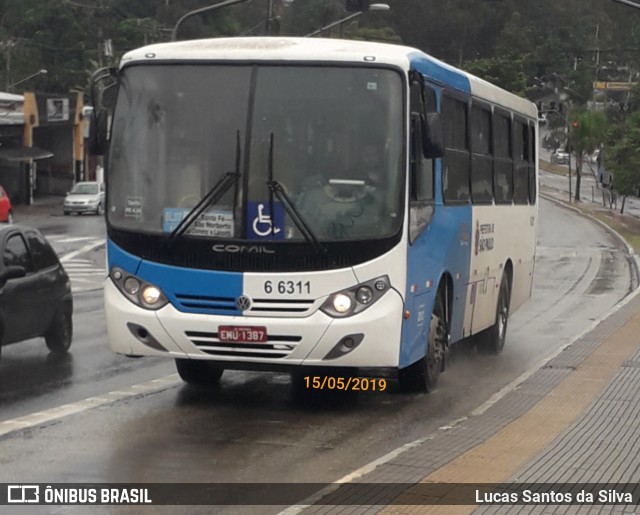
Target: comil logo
(23, 494)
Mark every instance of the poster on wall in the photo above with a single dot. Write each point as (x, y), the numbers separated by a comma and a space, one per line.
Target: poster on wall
(57, 109)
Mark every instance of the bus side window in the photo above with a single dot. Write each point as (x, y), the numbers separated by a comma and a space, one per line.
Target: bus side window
(521, 152)
(456, 164)
(481, 159)
(421, 193)
(502, 163)
(533, 144)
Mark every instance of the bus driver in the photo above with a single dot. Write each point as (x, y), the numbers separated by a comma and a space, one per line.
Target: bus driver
(351, 206)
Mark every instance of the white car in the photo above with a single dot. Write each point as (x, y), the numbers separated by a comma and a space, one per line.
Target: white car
(559, 157)
(85, 197)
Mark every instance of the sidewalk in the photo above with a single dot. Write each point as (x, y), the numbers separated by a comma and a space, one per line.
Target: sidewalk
(573, 423)
(42, 207)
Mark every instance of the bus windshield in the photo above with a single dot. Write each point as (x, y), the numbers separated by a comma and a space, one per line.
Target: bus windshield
(332, 136)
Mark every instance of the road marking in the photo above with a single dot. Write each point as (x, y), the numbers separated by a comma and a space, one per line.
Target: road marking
(47, 416)
(61, 238)
(82, 250)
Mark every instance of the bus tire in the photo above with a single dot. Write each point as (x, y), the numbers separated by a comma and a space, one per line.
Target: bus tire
(198, 373)
(423, 375)
(493, 339)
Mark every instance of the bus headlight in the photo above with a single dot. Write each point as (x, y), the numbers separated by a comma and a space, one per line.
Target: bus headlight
(131, 285)
(141, 293)
(364, 295)
(151, 294)
(342, 303)
(355, 300)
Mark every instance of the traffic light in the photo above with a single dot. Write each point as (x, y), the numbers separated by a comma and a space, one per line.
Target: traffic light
(354, 6)
(575, 124)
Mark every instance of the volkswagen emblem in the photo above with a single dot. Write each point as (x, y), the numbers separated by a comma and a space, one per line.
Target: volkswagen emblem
(243, 303)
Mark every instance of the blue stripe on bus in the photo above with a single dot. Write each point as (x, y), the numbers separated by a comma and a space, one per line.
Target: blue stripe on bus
(118, 257)
(439, 72)
(447, 239)
(189, 290)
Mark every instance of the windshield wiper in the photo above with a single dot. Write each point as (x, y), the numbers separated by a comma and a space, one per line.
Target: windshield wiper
(276, 189)
(213, 196)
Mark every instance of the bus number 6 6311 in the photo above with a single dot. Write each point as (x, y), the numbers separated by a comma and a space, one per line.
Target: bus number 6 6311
(289, 287)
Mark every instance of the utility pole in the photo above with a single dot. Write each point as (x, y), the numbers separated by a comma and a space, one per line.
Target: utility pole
(8, 52)
(174, 33)
(269, 18)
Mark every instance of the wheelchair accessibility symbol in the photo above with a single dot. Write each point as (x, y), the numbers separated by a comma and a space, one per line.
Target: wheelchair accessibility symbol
(263, 223)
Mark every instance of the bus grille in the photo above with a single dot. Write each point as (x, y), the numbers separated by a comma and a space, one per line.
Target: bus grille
(206, 303)
(280, 306)
(260, 307)
(277, 346)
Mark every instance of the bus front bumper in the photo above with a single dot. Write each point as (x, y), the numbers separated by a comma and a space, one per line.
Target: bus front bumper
(370, 339)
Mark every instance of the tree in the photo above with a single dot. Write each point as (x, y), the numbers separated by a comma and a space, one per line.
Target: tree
(506, 72)
(625, 157)
(586, 133)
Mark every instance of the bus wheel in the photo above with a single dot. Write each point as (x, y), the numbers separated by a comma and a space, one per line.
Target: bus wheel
(423, 375)
(493, 338)
(199, 373)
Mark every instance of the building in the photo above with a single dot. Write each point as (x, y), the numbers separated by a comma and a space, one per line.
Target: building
(41, 144)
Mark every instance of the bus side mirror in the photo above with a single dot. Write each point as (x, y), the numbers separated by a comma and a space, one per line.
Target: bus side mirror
(102, 99)
(432, 141)
(98, 135)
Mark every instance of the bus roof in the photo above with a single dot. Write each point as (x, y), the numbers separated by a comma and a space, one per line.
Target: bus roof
(328, 50)
(273, 49)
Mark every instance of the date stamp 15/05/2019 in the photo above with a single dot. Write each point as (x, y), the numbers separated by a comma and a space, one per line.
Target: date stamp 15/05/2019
(354, 384)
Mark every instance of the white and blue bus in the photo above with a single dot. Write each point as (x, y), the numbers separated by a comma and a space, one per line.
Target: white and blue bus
(306, 204)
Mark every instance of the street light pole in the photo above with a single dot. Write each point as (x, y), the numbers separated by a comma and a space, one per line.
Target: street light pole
(570, 197)
(335, 23)
(629, 3)
(39, 72)
(174, 33)
(372, 7)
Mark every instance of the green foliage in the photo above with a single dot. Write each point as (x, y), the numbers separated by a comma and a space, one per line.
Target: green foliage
(515, 44)
(624, 155)
(586, 133)
(506, 72)
(589, 133)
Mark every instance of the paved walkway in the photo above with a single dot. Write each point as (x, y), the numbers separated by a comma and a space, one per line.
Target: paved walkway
(42, 207)
(568, 430)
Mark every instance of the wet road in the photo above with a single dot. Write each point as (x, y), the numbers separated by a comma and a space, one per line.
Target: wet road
(255, 427)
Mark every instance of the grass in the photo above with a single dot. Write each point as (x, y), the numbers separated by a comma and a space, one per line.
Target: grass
(629, 231)
(548, 167)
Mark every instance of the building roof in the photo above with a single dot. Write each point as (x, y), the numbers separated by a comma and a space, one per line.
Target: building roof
(11, 109)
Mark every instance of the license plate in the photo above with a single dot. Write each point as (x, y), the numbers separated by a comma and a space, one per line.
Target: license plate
(242, 334)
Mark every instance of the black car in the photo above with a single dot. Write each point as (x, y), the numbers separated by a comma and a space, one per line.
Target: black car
(35, 291)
